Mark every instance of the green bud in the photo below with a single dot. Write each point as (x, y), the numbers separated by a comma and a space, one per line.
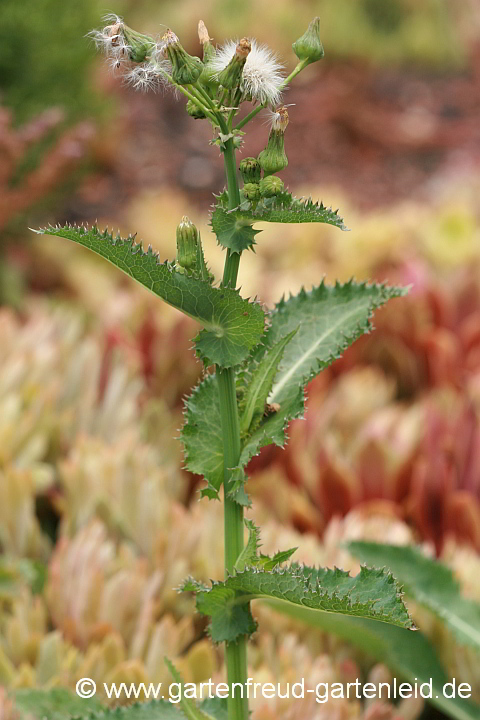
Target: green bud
(271, 186)
(251, 191)
(309, 47)
(250, 170)
(231, 76)
(194, 111)
(186, 68)
(139, 46)
(273, 158)
(187, 241)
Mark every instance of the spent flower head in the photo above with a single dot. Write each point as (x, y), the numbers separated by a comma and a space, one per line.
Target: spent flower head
(262, 76)
(140, 56)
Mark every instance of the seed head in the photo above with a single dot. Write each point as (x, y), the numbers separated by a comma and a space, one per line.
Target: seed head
(262, 75)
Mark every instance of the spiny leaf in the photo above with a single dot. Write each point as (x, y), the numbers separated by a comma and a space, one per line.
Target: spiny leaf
(428, 582)
(269, 563)
(329, 319)
(260, 383)
(248, 556)
(202, 435)
(321, 324)
(232, 231)
(370, 594)
(284, 208)
(233, 326)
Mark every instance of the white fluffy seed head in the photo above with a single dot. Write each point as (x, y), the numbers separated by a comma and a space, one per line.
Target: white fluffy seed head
(262, 76)
(111, 39)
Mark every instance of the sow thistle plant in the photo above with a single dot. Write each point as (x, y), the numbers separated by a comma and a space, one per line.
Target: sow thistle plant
(259, 360)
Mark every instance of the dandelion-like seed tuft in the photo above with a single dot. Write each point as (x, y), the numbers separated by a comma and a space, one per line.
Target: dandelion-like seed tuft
(140, 57)
(262, 77)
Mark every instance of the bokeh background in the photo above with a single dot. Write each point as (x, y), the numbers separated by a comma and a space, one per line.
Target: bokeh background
(98, 519)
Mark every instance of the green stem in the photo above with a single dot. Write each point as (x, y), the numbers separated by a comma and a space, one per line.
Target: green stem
(236, 652)
(232, 260)
(194, 98)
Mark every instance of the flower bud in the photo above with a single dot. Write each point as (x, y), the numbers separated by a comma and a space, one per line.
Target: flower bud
(231, 76)
(251, 191)
(186, 69)
(250, 170)
(138, 45)
(271, 186)
(194, 111)
(273, 158)
(309, 47)
(187, 240)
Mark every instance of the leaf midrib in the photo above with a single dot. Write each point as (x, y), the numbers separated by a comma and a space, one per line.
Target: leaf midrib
(281, 384)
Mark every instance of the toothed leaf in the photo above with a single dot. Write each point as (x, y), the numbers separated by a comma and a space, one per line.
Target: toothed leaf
(233, 231)
(260, 383)
(317, 327)
(428, 582)
(269, 563)
(248, 556)
(329, 319)
(233, 326)
(371, 594)
(202, 435)
(284, 208)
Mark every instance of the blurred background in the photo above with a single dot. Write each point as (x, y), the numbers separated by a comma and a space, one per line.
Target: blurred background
(98, 519)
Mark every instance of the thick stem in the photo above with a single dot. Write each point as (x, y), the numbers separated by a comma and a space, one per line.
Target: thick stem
(236, 653)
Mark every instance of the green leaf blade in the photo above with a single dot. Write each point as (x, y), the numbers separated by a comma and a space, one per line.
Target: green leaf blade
(372, 594)
(260, 383)
(330, 319)
(233, 326)
(428, 582)
(202, 435)
(233, 231)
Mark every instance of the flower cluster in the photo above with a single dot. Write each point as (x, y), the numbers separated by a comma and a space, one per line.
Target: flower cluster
(149, 63)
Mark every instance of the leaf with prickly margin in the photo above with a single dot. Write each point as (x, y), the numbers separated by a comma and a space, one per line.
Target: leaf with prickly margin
(233, 232)
(202, 435)
(323, 323)
(284, 208)
(260, 383)
(233, 326)
(371, 594)
(189, 708)
(269, 563)
(248, 556)
(428, 582)
(54, 704)
(330, 319)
